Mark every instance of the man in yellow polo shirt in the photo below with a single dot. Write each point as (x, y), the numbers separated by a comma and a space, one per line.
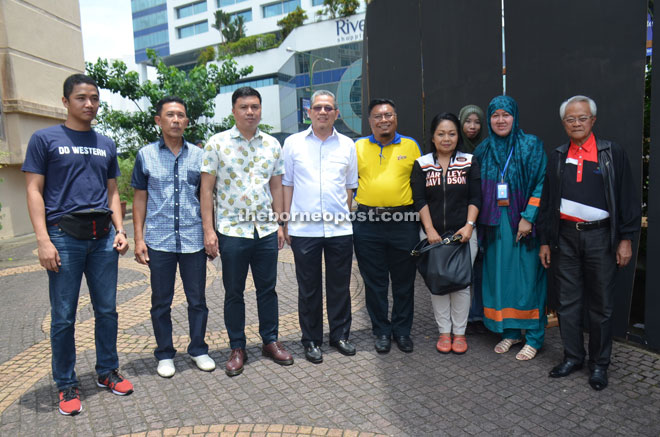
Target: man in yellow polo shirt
(385, 229)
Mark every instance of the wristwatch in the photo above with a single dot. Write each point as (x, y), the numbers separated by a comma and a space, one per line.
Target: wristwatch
(473, 224)
(121, 231)
(281, 223)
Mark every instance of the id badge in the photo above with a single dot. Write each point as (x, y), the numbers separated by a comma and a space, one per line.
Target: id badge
(503, 194)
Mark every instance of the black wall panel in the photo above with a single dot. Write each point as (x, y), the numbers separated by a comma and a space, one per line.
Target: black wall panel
(462, 54)
(557, 49)
(394, 68)
(652, 298)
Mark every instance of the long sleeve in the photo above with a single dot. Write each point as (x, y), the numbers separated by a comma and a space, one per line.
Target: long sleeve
(534, 202)
(418, 185)
(629, 204)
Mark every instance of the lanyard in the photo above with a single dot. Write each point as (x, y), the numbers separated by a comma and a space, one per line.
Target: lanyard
(507, 163)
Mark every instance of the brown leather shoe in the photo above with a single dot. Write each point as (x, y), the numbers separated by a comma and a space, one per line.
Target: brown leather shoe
(234, 365)
(276, 351)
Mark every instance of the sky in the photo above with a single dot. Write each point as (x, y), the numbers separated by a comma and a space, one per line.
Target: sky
(107, 29)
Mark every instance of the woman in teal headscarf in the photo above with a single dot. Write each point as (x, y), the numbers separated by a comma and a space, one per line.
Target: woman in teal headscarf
(514, 282)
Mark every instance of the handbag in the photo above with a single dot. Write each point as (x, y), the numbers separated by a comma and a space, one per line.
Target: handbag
(88, 224)
(445, 266)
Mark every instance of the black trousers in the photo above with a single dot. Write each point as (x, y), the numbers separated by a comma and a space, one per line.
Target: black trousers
(585, 270)
(383, 250)
(338, 253)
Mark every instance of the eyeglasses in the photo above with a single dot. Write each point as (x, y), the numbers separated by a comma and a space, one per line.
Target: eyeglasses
(581, 120)
(386, 116)
(327, 108)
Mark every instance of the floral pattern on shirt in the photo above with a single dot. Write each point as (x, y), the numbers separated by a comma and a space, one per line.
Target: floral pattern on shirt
(243, 170)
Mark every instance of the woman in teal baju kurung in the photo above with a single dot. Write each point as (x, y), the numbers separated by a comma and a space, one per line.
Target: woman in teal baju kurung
(514, 281)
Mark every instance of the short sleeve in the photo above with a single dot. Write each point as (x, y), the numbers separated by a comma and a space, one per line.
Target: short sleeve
(139, 179)
(113, 165)
(287, 160)
(352, 173)
(210, 158)
(36, 156)
(278, 165)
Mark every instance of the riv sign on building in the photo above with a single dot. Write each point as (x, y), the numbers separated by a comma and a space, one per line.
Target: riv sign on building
(349, 29)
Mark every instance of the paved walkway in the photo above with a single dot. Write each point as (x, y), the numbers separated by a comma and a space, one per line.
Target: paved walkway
(423, 393)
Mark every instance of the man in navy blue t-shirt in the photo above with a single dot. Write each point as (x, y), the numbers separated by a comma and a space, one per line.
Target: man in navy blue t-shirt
(72, 196)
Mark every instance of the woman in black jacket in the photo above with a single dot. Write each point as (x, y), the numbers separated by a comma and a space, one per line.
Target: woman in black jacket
(446, 189)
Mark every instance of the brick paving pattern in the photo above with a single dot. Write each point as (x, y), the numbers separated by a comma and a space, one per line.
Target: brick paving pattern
(423, 393)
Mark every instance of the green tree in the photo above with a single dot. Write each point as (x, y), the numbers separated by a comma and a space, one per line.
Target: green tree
(206, 55)
(232, 27)
(197, 87)
(294, 19)
(339, 8)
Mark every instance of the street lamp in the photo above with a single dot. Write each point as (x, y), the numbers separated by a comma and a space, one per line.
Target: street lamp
(313, 64)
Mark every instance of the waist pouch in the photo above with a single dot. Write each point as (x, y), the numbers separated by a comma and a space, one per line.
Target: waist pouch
(88, 224)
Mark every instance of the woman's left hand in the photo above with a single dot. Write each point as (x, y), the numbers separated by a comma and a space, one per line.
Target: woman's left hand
(524, 229)
(465, 232)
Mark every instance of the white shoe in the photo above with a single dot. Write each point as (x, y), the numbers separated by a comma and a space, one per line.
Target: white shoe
(204, 362)
(166, 368)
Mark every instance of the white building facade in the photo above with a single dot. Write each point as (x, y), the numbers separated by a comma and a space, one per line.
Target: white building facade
(321, 54)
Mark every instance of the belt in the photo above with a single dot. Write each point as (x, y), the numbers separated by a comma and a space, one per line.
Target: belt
(378, 210)
(586, 226)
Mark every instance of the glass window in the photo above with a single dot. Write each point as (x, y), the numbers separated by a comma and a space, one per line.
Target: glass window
(280, 8)
(228, 2)
(253, 83)
(290, 5)
(151, 40)
(246, 14)
(193, 29)
(317, 2)
(140, 5)
(151, 20)
(191, 9)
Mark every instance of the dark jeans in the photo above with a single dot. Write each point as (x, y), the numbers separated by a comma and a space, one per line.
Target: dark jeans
(585, 269)
(338, 253)
(383, 250)
(192, 268)
(260, 255)
(97, 259)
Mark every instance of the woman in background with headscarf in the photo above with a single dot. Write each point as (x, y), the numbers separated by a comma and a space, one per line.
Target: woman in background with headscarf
(473, 129)
(514, 282)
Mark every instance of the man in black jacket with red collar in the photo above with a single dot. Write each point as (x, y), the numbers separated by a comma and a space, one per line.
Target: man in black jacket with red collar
(590, 211)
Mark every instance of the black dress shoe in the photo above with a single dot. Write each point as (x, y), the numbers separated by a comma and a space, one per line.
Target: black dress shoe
(313, 353)
(598, 378)
(564, 369)
(383, 344)
(344, 346)
(405, 343)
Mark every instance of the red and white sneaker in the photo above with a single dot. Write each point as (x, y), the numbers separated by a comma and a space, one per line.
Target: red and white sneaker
(115, 382)
(70, 401)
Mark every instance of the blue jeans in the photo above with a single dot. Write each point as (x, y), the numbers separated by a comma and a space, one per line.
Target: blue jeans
(192, 268)
(97, 259)
(260, 255)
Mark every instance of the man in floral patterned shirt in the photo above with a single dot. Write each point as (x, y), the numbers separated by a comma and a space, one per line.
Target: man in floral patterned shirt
(245, 166)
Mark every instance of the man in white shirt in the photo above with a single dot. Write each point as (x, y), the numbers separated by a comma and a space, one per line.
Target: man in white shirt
(320, 174)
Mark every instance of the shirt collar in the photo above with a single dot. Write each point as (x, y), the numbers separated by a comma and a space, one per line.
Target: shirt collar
(235, 133)
(395, 140)
(310, 131)
(161, 143)
(588, 145)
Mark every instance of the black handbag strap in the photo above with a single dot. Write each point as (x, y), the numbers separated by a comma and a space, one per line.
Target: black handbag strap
(424, 246)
